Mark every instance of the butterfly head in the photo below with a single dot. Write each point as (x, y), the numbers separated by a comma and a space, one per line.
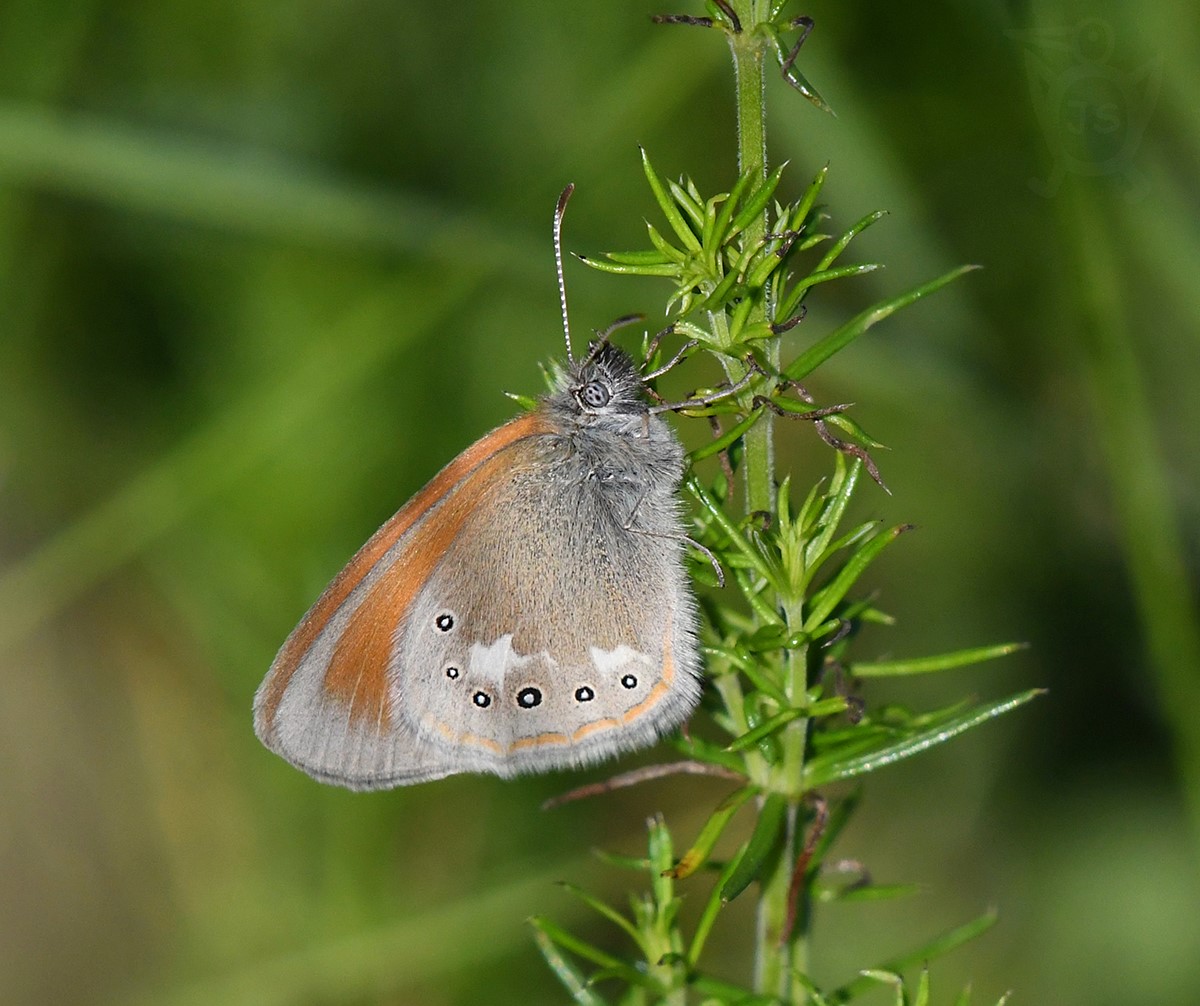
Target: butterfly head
(605, 383)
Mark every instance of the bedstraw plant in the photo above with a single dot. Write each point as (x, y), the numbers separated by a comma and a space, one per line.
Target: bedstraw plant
(784, 714)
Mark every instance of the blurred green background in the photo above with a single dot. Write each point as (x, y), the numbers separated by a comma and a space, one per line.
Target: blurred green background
(265, 267)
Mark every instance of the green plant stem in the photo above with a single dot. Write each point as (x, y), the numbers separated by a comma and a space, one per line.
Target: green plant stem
(777, 961)
(748, 49)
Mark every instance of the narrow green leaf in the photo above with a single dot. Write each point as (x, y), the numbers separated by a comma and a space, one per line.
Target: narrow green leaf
(662, 853)
(938, 947)
(640, 864)
(721, 230)
(601, 265)
(737, 321)
(842, 745)
(791, 302)
(720, 293)
(856, 536)
(726, 439)
(566, 972)
(663, 246)
(607, 911)
(696, 856)
(712, 908)
(710, 224)
(774, 637)
(793, 406)
(823, 770)
(765, 729)
(843, 422)
(755, 558)
(686, 202)
(809, 199)
(926, 665)
(525, 401)
(757, 201)
(726, 993)
(829, 596)
(750, 863)
(581, 948)
(833, 506)
(922, 988)
(759, 271)
(813, 239)
(840, 244)
(841, 337)
(646, 256)
(753, 670)
(797, 79)
(668, 207)
(834, 706)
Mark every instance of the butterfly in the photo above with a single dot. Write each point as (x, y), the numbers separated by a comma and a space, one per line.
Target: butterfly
(527, 610)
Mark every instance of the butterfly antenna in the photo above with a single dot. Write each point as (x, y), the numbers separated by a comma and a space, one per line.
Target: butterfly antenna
(559, 210)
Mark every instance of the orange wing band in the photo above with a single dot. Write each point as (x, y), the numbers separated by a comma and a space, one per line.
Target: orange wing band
(357, 672)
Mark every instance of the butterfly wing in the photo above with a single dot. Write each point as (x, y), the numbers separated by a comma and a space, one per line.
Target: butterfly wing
(507, 619)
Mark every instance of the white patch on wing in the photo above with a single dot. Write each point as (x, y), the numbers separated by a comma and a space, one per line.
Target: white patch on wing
(491, 663)
(611, 662)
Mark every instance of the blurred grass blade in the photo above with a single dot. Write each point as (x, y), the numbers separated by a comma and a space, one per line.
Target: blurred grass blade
(229, 447)
(927, 665)
(241, 193)
(823, 770)
(374, 963)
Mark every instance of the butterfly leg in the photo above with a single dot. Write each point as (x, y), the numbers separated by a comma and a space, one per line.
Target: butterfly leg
(628, 526)
(686, 348)
(817, 417)
(716, 396)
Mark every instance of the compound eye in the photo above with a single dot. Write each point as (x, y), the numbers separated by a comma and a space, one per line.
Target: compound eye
(595, 395)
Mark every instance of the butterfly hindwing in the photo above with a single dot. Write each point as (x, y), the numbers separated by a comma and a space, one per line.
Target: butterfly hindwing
(549, 642)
